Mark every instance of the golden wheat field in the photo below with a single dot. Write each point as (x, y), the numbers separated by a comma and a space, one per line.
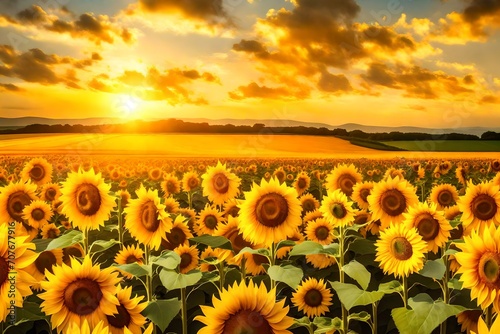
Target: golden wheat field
(107, 243)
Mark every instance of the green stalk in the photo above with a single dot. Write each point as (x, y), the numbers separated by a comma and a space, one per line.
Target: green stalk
(489, 316)
(243, 269)
(222, 275)
(120, 222)
(345, 314)
(184, 311)
(149, 278)
(272, 260)
(374, 317)
(189, 200)
(85, 241)
(405, 291)
(446, 291)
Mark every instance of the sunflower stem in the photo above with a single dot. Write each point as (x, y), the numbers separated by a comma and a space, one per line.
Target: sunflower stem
(243, 268)
(345, 314)
(272, 260)
(190, 199)
(149, 278)
(489, 316)
(85, 236)
(120, 222)
(184, 311)
(374, 317)
(405, 291)
(446, 291)
(222, 275)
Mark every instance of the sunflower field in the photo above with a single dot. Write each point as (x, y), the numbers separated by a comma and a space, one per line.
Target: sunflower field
(269, 246)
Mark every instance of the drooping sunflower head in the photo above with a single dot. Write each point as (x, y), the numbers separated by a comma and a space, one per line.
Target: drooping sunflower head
(302, 182)
(400, 250)
(320, 231)
(234, 313)
(270, 213)
(128, 318)
(309, 203)
(462, 175)
(343, 177)
(190, 181)
(219, 184)
(37, 213)
(189, 258)
(38, 171)
(337, 209)
(360, 193)
(13, 199)
(208, 221)
(50, 192)
(170, 185)
(86, 200)
(444, 195)
(312, 297)
(480, 206)
(124, 197)
(279, 174)
(178, 234)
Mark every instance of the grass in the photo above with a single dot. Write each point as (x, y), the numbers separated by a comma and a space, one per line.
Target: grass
(372, 144)
(448, 145)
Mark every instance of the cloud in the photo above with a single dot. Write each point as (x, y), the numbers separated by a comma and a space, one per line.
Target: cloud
(417, 107)
(491, 99)
(334, 83)
(254, 90)
(10, 87)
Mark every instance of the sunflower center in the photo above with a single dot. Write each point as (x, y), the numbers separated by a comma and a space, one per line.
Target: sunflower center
(401, 248)
(16, 203)
(131, 259)
(233, 211)
(364, 193)
(302, 183)
(50, 194)
(445, 198)
(4, 270)
(272, 210)
(313, 298)
(176, 237)
(220, 183)
(259, 259)
(82, 296)
(52, 233)
(211, 222)
(170, 187)
(45, 261)
(149, 217)
(495, 165)
(192, 182)
(361, 219)
(121, 319)
(37, 173)
(489, 269)
(185, 260)
(37, 214)
(237, 240)
(308, 205)
(88, 199)
(71, 252)
(427, 226)
(345, 183)
(322, 233)
(339, 211)
(393, 202)
(484, 207)
(247, 322)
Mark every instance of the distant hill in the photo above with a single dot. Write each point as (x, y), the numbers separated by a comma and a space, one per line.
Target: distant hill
(23, 121)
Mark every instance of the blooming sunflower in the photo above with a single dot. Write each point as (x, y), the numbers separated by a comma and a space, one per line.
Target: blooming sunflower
(312, 215)
(400, 250)
(208, 221)
(235, 312)
(444, 195)
(129, 254)
(312, 297)
(390, 199)
(321, 261)
(360, 193)
(430, 223)
(13, 199)
(302, 182)
(189, 258)
(343, 177)
(50, 231)
(146, 218)
(44, 261)
(37, 213)
(468, 320)
(320, 230)
(69, 252)
(171, 205)
(219, 184)
(479, 261)
(232, 232)
(154, 174)
(190, 181)
(178, 234)
(231, 208)
(50, 192)
(337, 209)
(309, 203)
(170, 185)
(84, 328)
(190, 217)
(124, 197)
(270, 213)
(480, 206)
(128, 318)
(86, 200)
(38, 171)
(79, 292)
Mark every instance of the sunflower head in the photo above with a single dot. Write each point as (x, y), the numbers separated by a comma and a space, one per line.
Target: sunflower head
(444, 196)
(13, 199)
(312, 297)
(219, 184)
(38, 171)
(189, 258)
(190, 181)
(343, 177)
(178, 234)
(337, 209)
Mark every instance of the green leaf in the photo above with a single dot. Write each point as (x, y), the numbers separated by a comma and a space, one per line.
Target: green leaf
(325, 325)
(288, 274)
(213, 241)
(41, 244)
(450, 252)
(331, 249)
(66, 240)
(161, 312)
(390, 287)
(434, 269)
(134, 269)
(102, 245)
(361, 316)
(358, 272)
(455, 284)
(260, 251)
(172, 280)
(168, 260)
(306, 248)
(363, 247)
(285, 243)
(302, 322)
(350, 295)
(29, 312)
(425, 314)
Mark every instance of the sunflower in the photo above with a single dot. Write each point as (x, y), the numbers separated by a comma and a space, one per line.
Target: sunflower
(270, 213)
(360, 193)
(394, 172)
(170, 185)
(129, 254)
(321, 261)
(482, 328)
(231, 208)
(69, 252)
(320, 231)
(444, 195)
(283, 251)
(84, 328)
(309, 203)
(279, 174)
(146, 218)
(178, 234)
(190, 217)
(50, 192)
(24, 257)
(302, 182)
(44, 261)
(312, 215)
(343, 177)
(124, 197)
(38, 171)
(479, 261)
(37, 213)
(337, 209)
(496, 179)
(480, 206)
(208, 221)
(13, 199)
(312, 297)
(219, 184)
(50, 231)
(461, 175)
(79, 292)
(431, 225)
(207, 253)
(128, 318)
(171, 205)
(400, 250)
(190, 181)
(390, 199)
(86, 200)
(232, 232)
(235, 312)
(189, 258)
(154, 174)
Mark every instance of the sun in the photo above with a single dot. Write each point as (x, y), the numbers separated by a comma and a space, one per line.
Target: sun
(128, 105)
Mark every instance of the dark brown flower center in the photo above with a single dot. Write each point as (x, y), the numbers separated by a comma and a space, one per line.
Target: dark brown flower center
(193, 182)
(233, 211)
(16, 203)
(457, 232)
(313, 298)
(322, 233)
(4, 271)
(259, 259)
(345, 182)
(37, 214)
(484, 207)
(52, 233)
(401, 248)
(186, 259)
(121, 318)
(211, 222)
(280, 175)
(69, 252)
(220, 183)
(45, 261)
(427, 226)
(361, 219)
(37, 173)
(393, 202)
(308, 205)
(50, 194)
(175, 237)
(364, 193)
(339, 211)
(495, 165)
(149, 216)
(489, 269)
(155, 174)
(131, 259)
(171, 187)
(237, 241)
(247, 322)
(271, 210)
(302, 183)
(82, 296)
(88, 199)
(445, 198)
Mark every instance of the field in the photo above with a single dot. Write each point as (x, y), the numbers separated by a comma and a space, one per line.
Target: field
(448, 145)
(243, 245)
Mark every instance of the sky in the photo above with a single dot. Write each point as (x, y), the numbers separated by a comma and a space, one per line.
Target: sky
(431, 63)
